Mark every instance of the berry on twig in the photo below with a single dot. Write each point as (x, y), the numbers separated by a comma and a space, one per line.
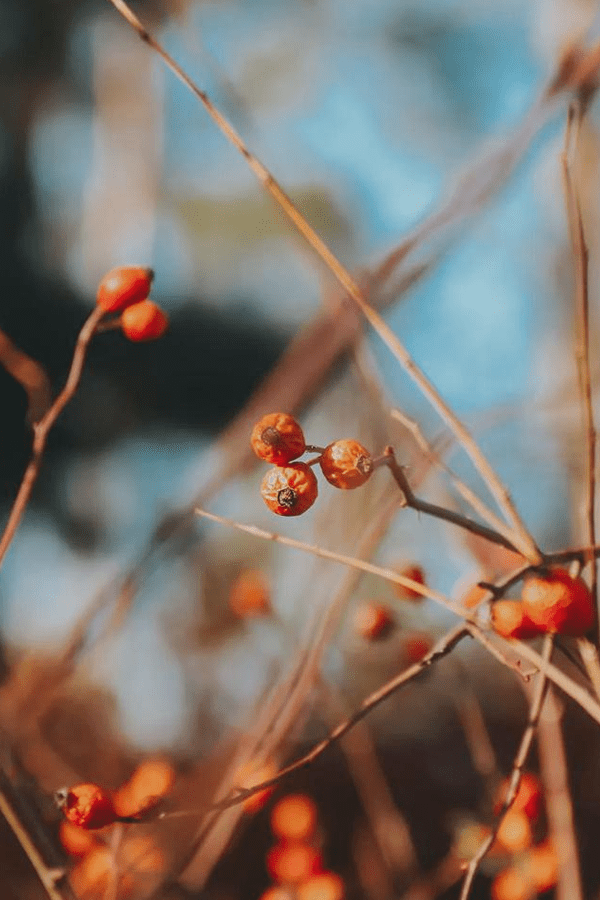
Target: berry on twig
(290, 490)
(346, 464)
(124, 286)
(278, 438)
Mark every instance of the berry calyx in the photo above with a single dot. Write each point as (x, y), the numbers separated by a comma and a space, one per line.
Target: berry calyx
(558, 603)
(278, 438)
(144, 321)
(510, 620)
(346, 464)
(123, 287)
(290, 490)
(86, 805)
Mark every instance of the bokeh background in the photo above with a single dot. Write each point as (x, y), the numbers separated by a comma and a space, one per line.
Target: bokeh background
(367, 113)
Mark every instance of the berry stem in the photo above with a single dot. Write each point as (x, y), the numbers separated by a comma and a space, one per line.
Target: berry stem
(42, 428)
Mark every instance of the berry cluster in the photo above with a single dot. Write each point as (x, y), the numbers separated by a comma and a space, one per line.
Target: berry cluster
(291, 487)
(552, 602)
(295, 862)
(126, 290)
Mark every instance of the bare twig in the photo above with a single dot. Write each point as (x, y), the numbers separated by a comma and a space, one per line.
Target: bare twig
(30, 374)
(440, 512)
(444, 646)
(43, 427)
(517, 770)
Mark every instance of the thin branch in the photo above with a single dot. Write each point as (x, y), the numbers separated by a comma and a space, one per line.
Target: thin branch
(444, 646)
(43, 427)
(582, 349)
(463, 489)
(370, 568)
(440, 512)
(517, 770)
(523, 540)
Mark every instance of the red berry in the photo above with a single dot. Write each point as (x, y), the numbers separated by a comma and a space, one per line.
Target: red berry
(415, 573)
(558, 603)
(373, 621)
(346, 464)
(86, 805)
(510, 620)
(144, 321)
(292, 862)
(278, 438)
(124, 286)
(291, 490)
(528, 799)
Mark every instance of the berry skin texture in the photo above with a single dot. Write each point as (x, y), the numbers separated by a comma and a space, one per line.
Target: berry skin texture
(86, 805)
(290, 490)
(144, 321)
(511, 621)
(123, 287)
(558, 603)
(346, 464)
(278, 438)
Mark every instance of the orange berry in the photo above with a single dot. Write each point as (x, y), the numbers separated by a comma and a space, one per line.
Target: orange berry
(86, 805)
(415, 573)
(290, 490)
(373, 621)
(512, 885)
(346, 464)
(325, 886)
(528, 799)
(293, 862)
(540, 866)
(152, 779)
(91, 876)
(558, 603)
(511, 621)
(294, 818)
(249, 595)
(123, 287)
(514, 833)
(278, 439)
(416, 645)
(144, 321)
(251, 774)
(76, 840)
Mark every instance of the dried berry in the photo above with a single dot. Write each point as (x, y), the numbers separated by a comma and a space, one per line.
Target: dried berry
(86, 805)
(278, 438)
(290, 490)
(346, 464)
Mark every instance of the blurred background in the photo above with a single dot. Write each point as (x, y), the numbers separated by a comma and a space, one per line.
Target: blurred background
(367, 113)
